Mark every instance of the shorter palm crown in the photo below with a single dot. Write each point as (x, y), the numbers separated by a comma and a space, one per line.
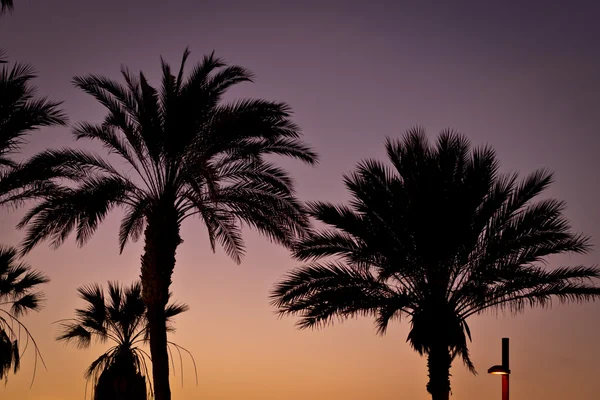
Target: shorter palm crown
(119, 317)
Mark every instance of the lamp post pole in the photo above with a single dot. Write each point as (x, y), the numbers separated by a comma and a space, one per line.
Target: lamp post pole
(505, 377)
(503, 369)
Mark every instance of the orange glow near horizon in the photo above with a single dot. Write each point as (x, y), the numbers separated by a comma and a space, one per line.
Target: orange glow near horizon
(243, 351)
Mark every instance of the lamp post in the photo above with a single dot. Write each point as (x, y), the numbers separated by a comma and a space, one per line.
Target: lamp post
(502, 369)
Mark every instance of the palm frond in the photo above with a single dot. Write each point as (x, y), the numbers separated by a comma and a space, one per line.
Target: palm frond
(132, 224)
(19, 283)
(80, 209)
(320, 292)
(75, 333)
(280, 218)
(174, 309)
(21, 112)
(325, 243)
(201, 71)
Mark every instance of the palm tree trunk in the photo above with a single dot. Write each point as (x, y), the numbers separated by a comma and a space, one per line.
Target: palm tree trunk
(438, 363)
(161, 241)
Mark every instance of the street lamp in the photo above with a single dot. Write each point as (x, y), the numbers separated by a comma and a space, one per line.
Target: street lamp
(502, 369)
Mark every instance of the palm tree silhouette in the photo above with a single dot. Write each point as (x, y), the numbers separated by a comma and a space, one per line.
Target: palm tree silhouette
(19, 294)
(437, 238)
(120, 317)
(192, 155)
(20, 113)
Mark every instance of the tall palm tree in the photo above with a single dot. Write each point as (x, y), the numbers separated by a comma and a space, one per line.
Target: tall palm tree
(437, 238)
(19, 294)
(120, 317)
(191, 155)
(21, 112)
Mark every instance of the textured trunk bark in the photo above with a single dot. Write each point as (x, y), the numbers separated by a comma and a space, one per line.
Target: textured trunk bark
(439, 363)
(121, 381)
(161, 240)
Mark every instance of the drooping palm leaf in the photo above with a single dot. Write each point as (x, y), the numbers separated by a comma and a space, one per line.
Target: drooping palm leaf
(20, 110)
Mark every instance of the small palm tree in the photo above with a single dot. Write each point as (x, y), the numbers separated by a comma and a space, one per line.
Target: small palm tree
(19, 294)
(190, 154)
(439, 237)
(120, 373)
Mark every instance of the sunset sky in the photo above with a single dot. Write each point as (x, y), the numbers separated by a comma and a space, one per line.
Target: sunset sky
(523, 76)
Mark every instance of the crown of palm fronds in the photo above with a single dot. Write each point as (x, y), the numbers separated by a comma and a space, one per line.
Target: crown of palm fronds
(19, 294)
(438, 237)
(119, 316)
(185, 150)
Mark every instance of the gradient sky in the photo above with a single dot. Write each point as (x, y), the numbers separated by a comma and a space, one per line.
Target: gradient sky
(522, 76)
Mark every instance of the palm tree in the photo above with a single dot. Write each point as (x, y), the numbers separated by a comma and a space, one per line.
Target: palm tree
(120, 317)
(439, 237)
(21, 112)
(19, 294)
(192, 155)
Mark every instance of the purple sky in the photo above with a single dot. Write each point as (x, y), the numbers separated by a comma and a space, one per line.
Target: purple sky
(521, 76)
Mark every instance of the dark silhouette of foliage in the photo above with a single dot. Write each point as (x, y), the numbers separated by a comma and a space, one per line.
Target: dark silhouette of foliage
(21, 112)
(437, 238)
(19, 294)
(118, 316)
(191, 155)
(6, 6)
